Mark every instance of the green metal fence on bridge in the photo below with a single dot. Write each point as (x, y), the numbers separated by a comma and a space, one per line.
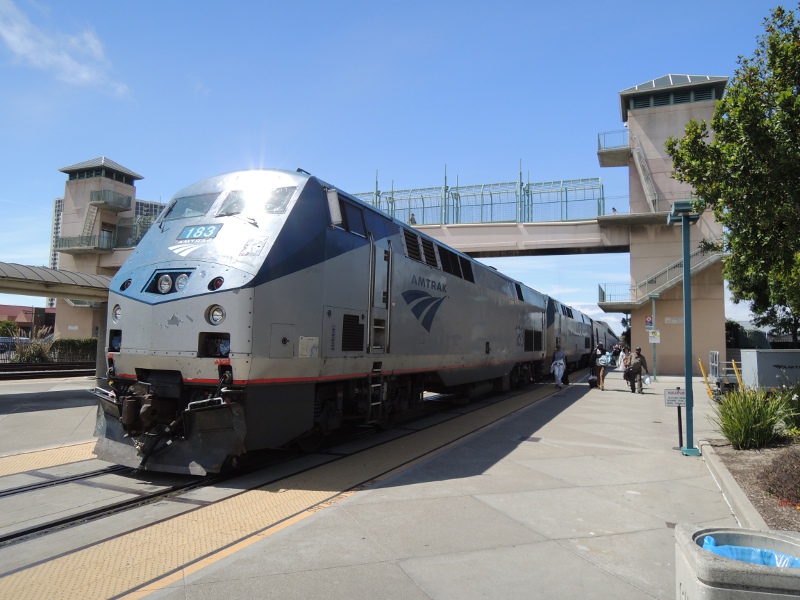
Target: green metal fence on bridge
(510, 202)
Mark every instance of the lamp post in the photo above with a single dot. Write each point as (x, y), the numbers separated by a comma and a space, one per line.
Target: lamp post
(682, 213)
(653, 298)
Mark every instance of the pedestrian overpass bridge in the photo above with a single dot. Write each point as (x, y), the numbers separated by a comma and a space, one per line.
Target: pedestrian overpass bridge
(485, 220)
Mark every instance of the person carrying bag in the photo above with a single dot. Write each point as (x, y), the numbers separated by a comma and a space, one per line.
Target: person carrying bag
(559, 366)
(637, 365)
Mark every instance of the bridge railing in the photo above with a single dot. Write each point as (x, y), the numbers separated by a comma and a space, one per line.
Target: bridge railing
(609, 140)
(657, 282)
(508, 202)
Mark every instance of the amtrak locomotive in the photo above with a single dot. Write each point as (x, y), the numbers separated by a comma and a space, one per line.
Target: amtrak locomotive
(267, 307)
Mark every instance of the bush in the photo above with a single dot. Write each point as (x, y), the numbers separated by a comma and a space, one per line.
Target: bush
(792, 396)
(752, 418)
(782, 480)
(75, 350)
(34, 351)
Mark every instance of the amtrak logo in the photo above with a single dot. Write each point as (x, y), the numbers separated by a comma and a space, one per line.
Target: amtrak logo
(185, 249)
(423, 305)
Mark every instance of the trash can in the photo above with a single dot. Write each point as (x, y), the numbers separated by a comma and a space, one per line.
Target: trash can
(700, 573)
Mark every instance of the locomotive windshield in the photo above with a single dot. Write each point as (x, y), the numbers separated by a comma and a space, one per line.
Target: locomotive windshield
(190, 206)
(256, 201)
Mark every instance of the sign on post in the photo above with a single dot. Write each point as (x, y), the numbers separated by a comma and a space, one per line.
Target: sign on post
(655, 336)
(675, 397)
(648, 321)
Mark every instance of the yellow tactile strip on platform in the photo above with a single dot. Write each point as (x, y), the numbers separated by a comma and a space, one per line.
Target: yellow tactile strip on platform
(42, 459)
(126, 563)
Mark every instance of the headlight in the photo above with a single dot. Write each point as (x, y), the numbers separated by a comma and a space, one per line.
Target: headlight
(215, 314)
(164, 283)
(116, 314)
(181, 281)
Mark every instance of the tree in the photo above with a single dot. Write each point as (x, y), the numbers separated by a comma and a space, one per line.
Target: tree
(7, 328)
(749, 173)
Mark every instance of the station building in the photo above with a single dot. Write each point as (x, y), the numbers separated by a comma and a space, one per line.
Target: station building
(652, 112)
(96, 225)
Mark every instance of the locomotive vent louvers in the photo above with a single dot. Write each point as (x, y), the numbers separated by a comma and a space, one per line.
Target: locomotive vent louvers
(412, 245)
(430, 254)
(450, 263)
(466, 268)
(352, 334)
(529, 340)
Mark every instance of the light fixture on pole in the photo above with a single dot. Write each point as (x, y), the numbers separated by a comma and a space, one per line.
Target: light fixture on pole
(682, 213)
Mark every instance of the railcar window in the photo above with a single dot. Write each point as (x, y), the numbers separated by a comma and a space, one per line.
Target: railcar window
(519, 291)
(190, 206)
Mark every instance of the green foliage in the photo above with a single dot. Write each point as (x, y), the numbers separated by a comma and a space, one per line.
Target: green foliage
(791, 396)
(35, 350)
(75, 350)
(751, 418)
(7, 328)
(733, 333)
(748, 173)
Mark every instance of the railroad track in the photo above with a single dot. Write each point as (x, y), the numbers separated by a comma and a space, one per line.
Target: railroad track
(330, 450)
(61, 480)
(43, 370)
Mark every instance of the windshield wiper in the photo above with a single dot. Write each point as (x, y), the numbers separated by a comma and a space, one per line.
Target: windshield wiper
(239, 215)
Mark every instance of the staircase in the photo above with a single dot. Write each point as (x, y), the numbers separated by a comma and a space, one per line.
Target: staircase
(88, 224)
(640, 160)
(659, 282)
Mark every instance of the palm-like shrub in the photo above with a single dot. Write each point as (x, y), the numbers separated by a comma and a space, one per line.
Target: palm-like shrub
(35, 350)
(752, 418)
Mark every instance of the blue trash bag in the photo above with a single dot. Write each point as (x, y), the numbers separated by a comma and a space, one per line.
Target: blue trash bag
(756, 556)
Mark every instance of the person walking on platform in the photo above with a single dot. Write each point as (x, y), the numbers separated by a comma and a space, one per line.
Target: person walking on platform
(559, 366)
(637, 364)
(599, 365)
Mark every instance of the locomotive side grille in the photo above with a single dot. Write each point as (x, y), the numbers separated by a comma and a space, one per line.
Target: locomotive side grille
(412, 245)
(430, 254)
(424, 250)
(466, 268)
(449, 262)
(538, 346)
(529, 340)
(352, 334)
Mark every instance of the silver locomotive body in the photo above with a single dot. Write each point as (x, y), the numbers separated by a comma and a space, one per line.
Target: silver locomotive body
(265, 307)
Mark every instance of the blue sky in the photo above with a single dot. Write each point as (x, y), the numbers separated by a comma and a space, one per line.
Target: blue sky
(181, 90)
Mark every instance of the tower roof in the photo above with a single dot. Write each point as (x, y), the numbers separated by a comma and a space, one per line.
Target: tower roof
(671, 83)
(101, 161)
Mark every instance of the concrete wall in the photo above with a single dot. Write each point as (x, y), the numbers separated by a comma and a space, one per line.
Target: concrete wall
(654, 247)
(708, 324)
(83, 322)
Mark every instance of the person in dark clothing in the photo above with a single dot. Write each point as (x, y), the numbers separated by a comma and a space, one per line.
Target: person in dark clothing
(638, 365)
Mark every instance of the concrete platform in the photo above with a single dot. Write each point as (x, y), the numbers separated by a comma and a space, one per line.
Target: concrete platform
(577, 496)
(574, 496)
